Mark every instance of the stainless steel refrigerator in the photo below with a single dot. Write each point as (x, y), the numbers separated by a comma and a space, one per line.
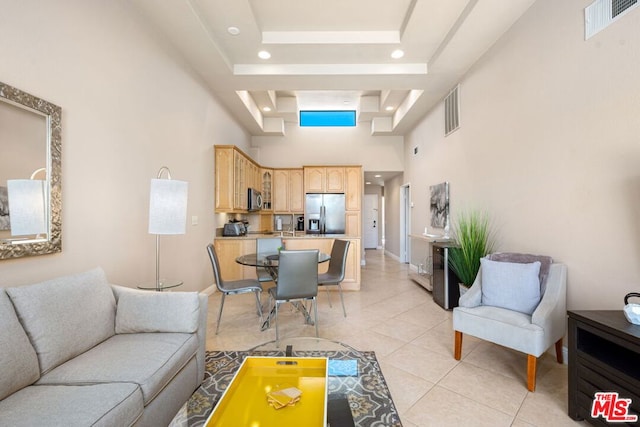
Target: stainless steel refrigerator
(325, 213)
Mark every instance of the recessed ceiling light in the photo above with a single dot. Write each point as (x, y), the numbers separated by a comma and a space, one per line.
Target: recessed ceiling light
(234, 31)
(266, 109)
(397, 54)
(377, 176)
(368, 182)
(263, 54)
(389, 108)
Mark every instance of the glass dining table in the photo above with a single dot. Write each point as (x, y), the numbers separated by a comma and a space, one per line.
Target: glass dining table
(270, 263)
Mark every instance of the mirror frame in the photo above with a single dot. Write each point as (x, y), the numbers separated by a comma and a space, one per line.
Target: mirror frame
(53, 115)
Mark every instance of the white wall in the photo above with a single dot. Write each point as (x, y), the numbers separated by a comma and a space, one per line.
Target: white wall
(128, 108)
(549, 145)
(328, 146)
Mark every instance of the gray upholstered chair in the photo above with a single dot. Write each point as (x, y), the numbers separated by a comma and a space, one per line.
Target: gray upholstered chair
(335, 273)
(266, 246)
(297, 282)
(232, 287)
(531, 333)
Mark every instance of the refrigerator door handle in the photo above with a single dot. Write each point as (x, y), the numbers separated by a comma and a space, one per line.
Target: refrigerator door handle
(323, 219)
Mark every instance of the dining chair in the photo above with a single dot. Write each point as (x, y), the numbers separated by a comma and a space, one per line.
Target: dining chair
(335, 273)
(266, 246)
(232, 287)
(297, 281)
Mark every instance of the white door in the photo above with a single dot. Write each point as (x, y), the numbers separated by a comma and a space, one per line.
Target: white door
(371, 221)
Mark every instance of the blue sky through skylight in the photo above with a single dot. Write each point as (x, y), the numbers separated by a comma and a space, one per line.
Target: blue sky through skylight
(328, 118)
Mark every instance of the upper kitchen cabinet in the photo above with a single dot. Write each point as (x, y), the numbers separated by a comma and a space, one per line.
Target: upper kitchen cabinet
(235, 173)
(224, 172)
(324, 179)
(353, 187)
(288, 191)
(267, 186)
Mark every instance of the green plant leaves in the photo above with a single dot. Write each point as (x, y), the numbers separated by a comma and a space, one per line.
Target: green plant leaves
(475, 240)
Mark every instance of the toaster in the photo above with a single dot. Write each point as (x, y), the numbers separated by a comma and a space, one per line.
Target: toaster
(234, 229)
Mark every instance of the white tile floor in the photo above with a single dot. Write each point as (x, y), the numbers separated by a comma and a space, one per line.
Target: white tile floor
(413, 340)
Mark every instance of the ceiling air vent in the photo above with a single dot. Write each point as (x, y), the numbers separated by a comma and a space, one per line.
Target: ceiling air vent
(599, 14)
(451, 111)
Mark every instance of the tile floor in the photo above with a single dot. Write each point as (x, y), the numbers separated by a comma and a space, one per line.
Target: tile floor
(413, 340)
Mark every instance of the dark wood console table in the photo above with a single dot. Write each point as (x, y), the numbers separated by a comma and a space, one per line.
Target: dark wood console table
(604, 355)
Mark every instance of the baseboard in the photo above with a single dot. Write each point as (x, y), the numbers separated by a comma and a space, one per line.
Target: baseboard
(391, 255)
(209, 290)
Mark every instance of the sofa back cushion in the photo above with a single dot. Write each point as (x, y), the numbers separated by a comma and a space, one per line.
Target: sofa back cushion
(66, 316)
(18, 359)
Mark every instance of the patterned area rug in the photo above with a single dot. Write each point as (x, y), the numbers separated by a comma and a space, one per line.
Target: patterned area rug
(368, 394)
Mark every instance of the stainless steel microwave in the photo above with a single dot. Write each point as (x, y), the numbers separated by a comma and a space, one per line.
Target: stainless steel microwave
(255, 200)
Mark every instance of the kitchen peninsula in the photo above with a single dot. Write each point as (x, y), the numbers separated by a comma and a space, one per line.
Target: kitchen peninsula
(283, 192)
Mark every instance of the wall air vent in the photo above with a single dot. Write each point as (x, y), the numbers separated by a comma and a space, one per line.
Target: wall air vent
(599, 14)
(451, 111)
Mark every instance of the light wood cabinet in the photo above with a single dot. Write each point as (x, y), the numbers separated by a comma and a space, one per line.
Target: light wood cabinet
(288, 191)
(235, 173)
(224, 172)
(353, 188)
(230, 249)
(353, 223)
(266, 176)
(324, 179)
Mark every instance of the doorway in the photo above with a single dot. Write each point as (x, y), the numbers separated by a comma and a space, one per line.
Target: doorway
(405, 223)
(371, 222)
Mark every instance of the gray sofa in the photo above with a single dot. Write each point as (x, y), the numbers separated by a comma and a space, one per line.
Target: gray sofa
(78, 351)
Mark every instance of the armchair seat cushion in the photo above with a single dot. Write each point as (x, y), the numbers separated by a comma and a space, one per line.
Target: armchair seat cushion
(510, 285)
(501, 326)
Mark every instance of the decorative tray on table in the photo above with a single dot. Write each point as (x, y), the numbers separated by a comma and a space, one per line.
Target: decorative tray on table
(253, 394)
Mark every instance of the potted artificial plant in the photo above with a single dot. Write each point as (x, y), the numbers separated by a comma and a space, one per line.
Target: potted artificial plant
(475, 240)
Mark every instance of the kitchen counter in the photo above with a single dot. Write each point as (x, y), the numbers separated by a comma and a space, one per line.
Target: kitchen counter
(288, 235)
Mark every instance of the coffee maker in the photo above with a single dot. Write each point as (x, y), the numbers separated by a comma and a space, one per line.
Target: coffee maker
(300, 225)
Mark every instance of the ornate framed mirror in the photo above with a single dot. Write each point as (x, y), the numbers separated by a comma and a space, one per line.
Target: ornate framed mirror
(30, 175)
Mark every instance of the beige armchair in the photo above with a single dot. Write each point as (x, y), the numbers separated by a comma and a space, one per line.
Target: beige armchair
(531, 333)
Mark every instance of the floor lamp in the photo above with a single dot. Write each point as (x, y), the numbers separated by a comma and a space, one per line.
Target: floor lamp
(27, 205)
(167, 211)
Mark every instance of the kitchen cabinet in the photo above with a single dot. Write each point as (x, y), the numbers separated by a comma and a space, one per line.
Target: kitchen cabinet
(234, 174)
(224, 190)
(267, 181)
(353, 224)
(324, 179)
(353, 188)
(230, 249)
(288, 191)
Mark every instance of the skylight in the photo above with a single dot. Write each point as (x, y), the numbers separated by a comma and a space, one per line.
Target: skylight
(327, 118)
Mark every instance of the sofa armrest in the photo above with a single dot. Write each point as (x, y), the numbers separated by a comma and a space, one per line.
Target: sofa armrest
(203, 300)
(473, 297)
(143, 311)
(551, 313)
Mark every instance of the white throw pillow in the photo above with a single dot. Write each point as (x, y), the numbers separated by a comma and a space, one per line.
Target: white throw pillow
(513, 286)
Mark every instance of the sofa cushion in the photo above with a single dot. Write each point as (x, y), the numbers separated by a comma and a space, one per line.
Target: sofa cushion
(513, 286)
(149, 360)
(142, 311)
(117, 404)
(65, 317)
(18, 359)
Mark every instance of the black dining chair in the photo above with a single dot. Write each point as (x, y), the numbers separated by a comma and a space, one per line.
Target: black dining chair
(233, 287)
(335, 273)
(266, 246)
(297, 281)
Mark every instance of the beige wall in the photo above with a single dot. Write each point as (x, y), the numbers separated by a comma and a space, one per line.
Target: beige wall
(549, 144)
(128, 108)
(326, 146)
